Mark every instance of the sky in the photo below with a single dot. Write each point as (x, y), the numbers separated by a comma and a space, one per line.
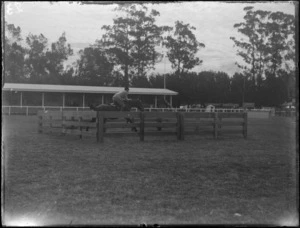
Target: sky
(213, 21)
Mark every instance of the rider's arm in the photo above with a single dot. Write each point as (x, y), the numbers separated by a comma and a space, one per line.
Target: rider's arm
(126, 97)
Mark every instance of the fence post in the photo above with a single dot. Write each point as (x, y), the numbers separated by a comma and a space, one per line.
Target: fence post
(220, 122)
(40, 127)
(180, 125)
(26, 110)
(100, 126)
(142, 126)
(216, 125)
(80, 125)
(63, 130)
(51, 119)
(245, 128)
(9, 110)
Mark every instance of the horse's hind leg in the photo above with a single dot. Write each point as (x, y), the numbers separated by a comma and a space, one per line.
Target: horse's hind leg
(92, 121)
(80, 129)
(134, 129)
(159, 120)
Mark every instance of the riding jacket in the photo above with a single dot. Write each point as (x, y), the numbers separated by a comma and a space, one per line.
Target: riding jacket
(123, 95)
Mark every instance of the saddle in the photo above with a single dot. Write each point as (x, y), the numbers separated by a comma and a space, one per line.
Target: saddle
(115, 106)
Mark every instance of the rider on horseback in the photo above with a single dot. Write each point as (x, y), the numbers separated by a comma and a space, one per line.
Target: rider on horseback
(120, 97)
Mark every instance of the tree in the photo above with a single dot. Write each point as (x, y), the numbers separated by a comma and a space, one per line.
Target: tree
(68, 76)
(157, 80)
(60, 51)
(183, 48)
(274, 92)
(146, 36)
(281, 45)
(14, 55)
(237, 88)
(281, 41)
(131, 40)
(269, 49)
(253, 50)
(270, 40)
(140, 81)
(44, 65)
(94, 68)
(36, 61)
(222, 87)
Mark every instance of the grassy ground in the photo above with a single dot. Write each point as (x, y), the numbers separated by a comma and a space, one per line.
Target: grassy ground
(52, 179)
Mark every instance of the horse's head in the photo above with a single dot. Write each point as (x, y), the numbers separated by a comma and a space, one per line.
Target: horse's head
(134, 103)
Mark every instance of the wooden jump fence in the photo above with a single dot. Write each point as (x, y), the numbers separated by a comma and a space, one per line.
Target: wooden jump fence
(107, 123)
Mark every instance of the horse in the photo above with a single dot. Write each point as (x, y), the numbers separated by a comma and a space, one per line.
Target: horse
(131, 103)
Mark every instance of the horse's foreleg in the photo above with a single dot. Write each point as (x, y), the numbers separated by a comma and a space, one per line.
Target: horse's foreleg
(131, 121)
(128, 120)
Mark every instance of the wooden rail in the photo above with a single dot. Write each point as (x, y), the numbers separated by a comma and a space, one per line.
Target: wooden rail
(110, 123)
(194, 123)
(74, 122)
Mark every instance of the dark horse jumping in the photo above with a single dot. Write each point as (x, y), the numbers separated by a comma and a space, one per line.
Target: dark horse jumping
(132, 103)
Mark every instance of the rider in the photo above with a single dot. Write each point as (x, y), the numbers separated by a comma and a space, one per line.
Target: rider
(120, 97)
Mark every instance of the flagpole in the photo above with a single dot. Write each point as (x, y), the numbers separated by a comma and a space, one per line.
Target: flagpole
(164, 74)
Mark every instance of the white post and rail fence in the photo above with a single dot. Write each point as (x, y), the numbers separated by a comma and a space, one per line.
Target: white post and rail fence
(253, 113)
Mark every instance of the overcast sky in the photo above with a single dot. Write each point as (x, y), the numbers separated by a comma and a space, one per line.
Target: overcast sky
(82, 23)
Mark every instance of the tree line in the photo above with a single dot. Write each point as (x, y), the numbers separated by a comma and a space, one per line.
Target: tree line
(130, 47)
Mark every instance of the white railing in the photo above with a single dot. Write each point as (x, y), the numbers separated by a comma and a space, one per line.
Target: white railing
(32, 110)
(194, 110)
(26, 110)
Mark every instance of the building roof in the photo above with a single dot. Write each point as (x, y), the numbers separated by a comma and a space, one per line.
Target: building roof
(83, 89)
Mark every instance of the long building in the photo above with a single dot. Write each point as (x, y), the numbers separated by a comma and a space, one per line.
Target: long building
(72, 95)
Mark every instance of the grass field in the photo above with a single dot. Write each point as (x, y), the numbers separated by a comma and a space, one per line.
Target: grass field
(54, 179)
